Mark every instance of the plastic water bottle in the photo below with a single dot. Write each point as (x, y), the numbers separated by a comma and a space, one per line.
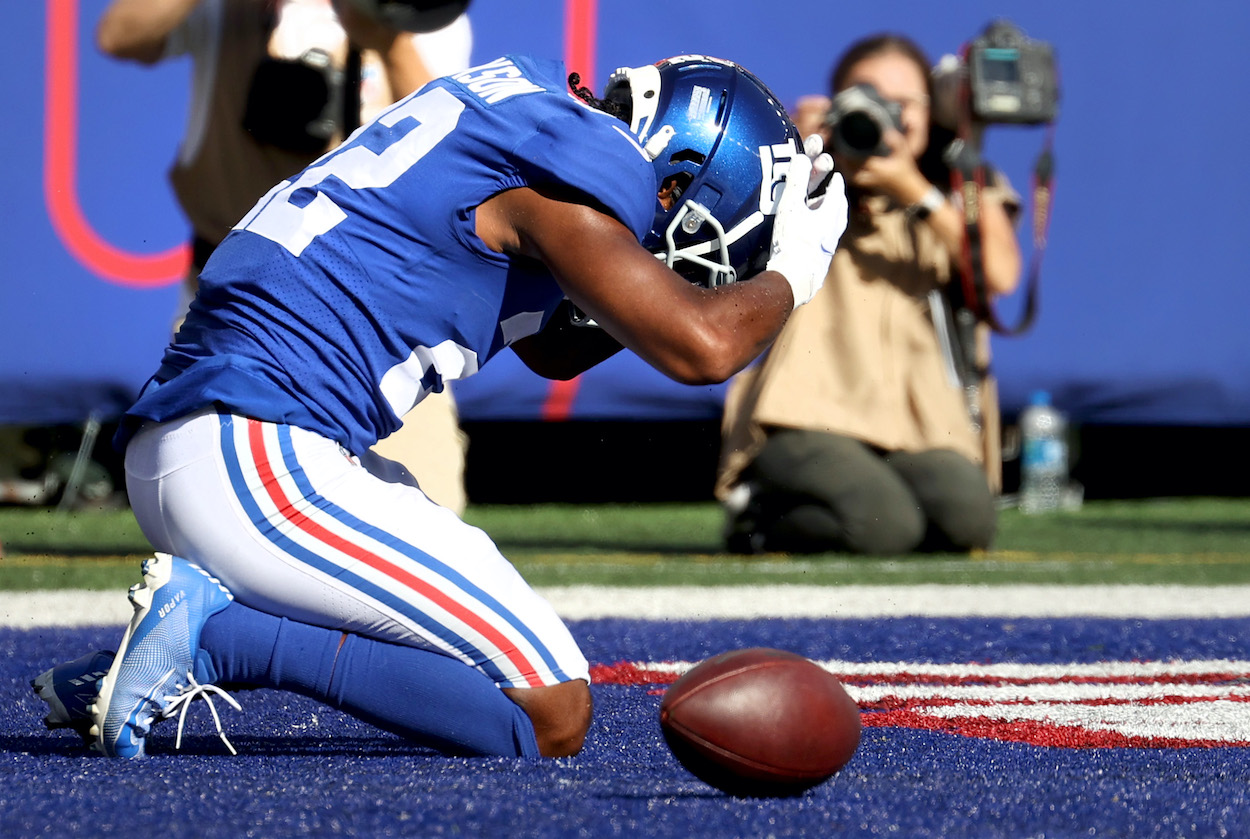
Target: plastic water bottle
(1044, 456)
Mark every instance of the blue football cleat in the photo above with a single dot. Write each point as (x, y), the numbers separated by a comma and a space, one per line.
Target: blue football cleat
(159, 668)
(70, 688)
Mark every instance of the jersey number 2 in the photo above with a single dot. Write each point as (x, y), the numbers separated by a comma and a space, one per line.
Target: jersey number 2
(297, 211)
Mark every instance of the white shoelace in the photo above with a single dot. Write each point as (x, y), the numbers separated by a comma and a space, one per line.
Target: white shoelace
(179, 702)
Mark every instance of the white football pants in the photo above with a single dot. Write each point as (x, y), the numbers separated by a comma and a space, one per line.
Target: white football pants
(295, 526)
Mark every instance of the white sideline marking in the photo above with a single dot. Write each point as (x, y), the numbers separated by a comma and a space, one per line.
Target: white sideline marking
(30, 610)
(796, 601)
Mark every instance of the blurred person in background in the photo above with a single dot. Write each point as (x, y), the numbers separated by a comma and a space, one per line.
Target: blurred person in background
(852, 434)
(267, 99)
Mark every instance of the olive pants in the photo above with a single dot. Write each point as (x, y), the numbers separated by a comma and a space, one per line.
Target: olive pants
(814, 492)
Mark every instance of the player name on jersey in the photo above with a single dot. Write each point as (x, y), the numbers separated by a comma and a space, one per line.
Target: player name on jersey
(496, 81)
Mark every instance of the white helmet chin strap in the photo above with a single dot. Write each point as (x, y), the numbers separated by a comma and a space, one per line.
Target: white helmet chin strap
(659, 141)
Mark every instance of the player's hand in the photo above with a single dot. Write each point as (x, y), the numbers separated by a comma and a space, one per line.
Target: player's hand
(822, 168)
(808, 222)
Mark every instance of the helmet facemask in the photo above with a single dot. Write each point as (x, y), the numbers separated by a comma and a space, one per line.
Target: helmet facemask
(712, 131)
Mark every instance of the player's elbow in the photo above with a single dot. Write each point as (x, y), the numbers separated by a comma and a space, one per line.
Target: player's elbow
(708, 356)
(700, 375)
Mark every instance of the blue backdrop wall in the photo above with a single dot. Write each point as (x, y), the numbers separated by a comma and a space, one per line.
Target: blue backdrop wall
(1144, 286)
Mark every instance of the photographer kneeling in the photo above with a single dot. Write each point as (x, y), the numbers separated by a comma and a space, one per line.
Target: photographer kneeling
(855, 432)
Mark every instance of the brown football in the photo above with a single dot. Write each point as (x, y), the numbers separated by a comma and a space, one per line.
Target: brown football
(760, 722)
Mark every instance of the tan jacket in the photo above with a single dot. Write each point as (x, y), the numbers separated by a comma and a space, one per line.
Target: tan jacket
(863, 359)
(221, 170)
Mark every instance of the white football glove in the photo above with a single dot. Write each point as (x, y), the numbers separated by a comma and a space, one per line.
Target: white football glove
(806, 228)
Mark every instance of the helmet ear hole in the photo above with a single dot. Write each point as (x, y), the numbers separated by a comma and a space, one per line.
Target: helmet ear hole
(673, 188)
(687, 156)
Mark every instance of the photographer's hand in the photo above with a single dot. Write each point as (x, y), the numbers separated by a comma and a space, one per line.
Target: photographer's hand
(403, 68)
(137, 29)
(809, 116)
(897, 175)
(363, 30)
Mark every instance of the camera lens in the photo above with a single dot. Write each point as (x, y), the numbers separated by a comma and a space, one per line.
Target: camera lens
(859, 132)
(859, 119)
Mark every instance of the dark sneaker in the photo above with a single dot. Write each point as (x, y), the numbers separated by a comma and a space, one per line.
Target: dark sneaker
(70, 688)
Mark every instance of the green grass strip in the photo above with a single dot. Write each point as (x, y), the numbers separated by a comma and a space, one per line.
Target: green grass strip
(1204, 541)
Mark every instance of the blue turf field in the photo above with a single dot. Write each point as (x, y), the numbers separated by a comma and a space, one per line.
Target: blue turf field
(306, 770)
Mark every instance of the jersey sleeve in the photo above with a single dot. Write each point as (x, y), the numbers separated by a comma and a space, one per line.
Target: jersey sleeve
(593, 153)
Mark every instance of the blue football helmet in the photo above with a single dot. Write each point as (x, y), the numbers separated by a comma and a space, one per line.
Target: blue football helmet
(720, 141)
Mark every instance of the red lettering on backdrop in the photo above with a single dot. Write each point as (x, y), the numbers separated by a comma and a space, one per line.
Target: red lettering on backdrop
(60, 169)
(579, 57)
(127, 268)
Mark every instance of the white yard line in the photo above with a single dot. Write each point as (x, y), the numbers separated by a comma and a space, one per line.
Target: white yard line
(29, 610)
(1127, 601)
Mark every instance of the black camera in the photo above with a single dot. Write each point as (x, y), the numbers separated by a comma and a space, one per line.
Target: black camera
(858, 119)
(295, 104)
(1011, 78)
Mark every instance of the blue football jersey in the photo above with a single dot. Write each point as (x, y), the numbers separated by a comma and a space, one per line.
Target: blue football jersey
(352, 290)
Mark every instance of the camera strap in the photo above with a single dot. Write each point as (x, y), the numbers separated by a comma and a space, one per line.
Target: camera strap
(968, 179)
(352, 73)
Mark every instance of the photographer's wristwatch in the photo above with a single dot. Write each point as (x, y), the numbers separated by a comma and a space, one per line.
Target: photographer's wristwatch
(929, 202)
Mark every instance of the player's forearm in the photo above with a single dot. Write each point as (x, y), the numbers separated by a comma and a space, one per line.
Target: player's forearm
(748, 316)
(707, 340)
(137, 29)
